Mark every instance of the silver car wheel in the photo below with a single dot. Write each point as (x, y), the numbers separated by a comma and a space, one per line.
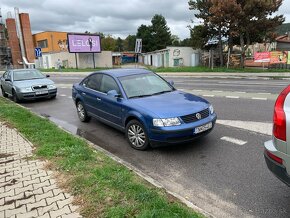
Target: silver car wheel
(136, 135)
(81, 111)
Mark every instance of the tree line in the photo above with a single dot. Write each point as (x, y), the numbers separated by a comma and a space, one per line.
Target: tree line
(234, 22)
(238, 22)
(155, 36)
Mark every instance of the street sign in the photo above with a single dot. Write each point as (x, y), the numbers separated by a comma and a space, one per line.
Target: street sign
(38, 52)
(138, 46)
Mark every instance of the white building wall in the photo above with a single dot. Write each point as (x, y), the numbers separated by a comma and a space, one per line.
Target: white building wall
(84, 60)
(183, 55)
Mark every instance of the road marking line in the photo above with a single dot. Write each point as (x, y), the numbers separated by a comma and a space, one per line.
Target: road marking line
(262, 99)
(208, 95)
(232, 97)
(259, 127)
(62, 95)
(197, 90)
(70, 97)
(63, 87)
(264, 93)
(240, 92)
(217, 91)
(233, 140)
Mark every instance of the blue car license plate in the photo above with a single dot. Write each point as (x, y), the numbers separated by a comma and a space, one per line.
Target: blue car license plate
(203, 128)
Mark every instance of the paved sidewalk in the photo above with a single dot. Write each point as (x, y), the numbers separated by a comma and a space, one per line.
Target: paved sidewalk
(26, 188)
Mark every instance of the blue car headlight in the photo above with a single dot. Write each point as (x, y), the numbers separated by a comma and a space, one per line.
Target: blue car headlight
(211, 110)
(166, 122)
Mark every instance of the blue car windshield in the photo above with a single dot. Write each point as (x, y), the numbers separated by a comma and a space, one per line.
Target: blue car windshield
(27, 75)
(142, 85)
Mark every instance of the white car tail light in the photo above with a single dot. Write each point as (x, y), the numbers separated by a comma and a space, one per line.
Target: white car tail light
(279, 117)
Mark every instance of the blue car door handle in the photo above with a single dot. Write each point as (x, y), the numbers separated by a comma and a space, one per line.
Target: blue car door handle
(98, 99)
(83, 93)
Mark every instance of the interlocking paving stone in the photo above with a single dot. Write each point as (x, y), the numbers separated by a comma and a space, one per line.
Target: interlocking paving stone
(26, 188)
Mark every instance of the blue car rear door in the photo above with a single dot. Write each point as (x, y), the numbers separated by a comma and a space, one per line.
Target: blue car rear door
(90, 93)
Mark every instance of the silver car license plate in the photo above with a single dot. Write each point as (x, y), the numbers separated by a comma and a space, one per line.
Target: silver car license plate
(41, 92)
(203, 128)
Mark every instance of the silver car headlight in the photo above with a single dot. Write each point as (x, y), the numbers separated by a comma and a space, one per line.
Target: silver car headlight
(52, 86)
(211, 110)
(28, 89)
(166, 122)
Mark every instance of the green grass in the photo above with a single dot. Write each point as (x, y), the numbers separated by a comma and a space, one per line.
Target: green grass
(200, 69)
(104, 187)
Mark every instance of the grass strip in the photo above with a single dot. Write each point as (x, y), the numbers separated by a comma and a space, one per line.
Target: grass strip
(102, 187)
(201, 69)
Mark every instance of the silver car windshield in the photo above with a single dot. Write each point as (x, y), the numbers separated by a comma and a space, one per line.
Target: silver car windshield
(142, 85)
(27, 75)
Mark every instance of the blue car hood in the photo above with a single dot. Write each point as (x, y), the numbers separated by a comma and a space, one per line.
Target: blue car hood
(32, 82)
(172, 104)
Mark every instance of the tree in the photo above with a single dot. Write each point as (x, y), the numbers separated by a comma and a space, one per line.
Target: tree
(175, 40)
(161, 36)
(199, 36)
(155, 36)
(108, 43)
(144, 33)
(119, 45)
(129, 43)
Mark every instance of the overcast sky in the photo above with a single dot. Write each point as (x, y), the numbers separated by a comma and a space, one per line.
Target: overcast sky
(115, 17)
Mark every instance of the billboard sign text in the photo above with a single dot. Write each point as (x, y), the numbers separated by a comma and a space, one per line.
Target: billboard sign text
(83, 43)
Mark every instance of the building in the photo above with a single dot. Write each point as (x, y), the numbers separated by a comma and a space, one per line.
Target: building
(54, 47)
(51, 41)
(172, 56)
(283, 42)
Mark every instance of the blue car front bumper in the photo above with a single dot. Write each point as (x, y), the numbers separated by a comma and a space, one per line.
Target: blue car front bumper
(179, 134)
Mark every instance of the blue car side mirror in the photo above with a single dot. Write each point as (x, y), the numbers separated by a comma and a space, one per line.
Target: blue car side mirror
(171, 83)
(113, 93)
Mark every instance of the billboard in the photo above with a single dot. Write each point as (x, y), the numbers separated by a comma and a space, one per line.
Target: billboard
(262, 57)
(83, 43)
(278, 57)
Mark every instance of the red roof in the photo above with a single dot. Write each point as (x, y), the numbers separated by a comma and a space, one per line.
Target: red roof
(284, 38)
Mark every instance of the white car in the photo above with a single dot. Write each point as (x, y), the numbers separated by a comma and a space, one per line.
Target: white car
(277, 150)
(27, 84)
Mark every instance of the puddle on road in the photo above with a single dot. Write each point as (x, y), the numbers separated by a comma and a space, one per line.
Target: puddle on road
(77, 131)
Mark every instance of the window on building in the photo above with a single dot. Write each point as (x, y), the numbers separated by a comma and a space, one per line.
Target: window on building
(42, 43)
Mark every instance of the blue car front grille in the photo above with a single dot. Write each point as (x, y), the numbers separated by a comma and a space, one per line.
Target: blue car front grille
(193, 117)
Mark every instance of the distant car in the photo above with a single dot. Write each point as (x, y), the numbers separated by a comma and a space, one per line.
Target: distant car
(27, 84)
(143, 105)
(277, 150)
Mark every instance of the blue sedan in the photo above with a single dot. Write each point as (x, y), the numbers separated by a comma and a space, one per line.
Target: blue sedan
(143, 105)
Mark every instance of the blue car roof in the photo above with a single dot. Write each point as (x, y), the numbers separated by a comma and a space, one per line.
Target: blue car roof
(124, 72)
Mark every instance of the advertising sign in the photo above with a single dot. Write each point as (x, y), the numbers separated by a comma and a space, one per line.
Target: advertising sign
(262, 57)
(288, 59)
(278, 57)
(83, 43)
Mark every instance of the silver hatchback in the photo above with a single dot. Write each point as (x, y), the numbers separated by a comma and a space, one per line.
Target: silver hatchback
(277, 150)
(27, 84)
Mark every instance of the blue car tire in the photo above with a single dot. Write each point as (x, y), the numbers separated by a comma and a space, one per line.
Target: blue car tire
(136, 135)
(82, 113)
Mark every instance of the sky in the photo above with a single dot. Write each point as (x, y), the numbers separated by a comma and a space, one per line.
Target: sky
(114, 17)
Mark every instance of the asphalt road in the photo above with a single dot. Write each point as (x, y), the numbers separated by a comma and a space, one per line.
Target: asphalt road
(227, 178)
